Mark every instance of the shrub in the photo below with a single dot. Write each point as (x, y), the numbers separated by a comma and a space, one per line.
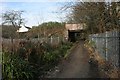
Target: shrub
(32, 60)
(15, 67)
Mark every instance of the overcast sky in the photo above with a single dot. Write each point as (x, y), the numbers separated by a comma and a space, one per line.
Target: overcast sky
(36, 12)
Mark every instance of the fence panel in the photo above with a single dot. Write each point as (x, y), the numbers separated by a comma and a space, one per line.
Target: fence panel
(107, 45)
(8, 44)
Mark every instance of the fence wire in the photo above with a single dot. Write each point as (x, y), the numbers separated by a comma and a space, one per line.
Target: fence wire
(108, 46)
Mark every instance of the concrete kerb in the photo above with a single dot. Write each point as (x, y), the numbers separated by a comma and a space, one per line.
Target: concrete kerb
(69, 51)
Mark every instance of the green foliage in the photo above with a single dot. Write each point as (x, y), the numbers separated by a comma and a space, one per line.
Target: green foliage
(51, 25)
(54, 55)
(15, 67)
(47, 29)
(8, 31)
(92, 43)
(32, 60)
(0, 56)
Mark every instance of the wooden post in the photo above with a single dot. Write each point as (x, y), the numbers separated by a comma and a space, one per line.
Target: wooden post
(51, 39)
(12, 45)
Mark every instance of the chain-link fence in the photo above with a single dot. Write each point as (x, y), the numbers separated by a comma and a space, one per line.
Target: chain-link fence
(108, 46)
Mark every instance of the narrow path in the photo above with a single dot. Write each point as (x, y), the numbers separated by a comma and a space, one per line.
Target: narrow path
(77, 66)
(0, 71)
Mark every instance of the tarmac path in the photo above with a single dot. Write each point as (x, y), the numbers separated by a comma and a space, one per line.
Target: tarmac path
(77, 65)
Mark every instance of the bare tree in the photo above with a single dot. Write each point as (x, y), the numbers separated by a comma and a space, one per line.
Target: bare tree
(99, 16)
(13, 18)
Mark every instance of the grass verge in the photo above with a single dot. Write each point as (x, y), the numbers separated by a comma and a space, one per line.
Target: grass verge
(105, 67)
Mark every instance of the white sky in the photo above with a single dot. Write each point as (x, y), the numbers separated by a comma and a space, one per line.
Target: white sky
(35, 12)
(38, 11)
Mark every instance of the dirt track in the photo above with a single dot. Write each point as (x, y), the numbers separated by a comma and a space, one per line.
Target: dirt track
(77, 66)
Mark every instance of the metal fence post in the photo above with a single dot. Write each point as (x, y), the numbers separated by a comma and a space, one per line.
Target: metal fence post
(106, 55)
(119, 48)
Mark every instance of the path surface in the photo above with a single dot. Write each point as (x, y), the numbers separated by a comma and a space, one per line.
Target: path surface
(77, 66)
(0, 71)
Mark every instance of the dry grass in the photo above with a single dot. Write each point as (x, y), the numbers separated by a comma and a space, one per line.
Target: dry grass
(105, 67)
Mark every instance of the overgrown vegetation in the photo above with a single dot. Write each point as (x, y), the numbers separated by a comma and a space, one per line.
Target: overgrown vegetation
(8, 31)
(106, 68)
(44, 30)
(47, 29)
(32, 60)
(98, 16)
